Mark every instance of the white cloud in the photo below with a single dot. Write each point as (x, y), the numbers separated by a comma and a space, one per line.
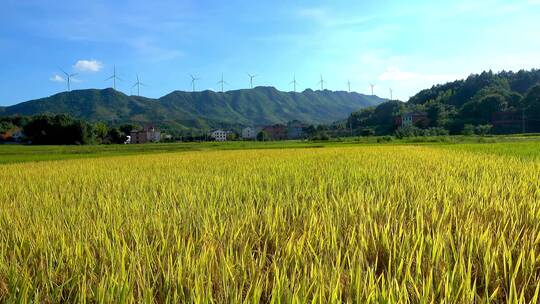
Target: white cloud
(88, 66)
(57, 78)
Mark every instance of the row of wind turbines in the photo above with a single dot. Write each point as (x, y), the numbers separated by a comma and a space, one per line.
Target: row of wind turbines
(221, 82)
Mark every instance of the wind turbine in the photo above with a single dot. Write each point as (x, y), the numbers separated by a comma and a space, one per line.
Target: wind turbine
(138, 84)
(251, 80)
(349, 85)
(193, 79)
(372, 86)
(114, 77)
(294, 82)
(391, 94)
(321, 82)
(222, 82)
(68, 78)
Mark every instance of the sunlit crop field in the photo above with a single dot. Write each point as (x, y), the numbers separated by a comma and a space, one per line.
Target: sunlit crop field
(365, 224)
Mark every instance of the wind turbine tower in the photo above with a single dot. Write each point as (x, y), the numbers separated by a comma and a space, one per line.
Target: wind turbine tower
(68, 78)
(321, 82)
(251, 77)
(114, 77)
(372, 87)
(222, 83)
(294, 82)
(349, 85)
(193, 80)
(391, 94)
(138, 84)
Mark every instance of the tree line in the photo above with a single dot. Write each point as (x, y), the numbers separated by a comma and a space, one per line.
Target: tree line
(61, 129)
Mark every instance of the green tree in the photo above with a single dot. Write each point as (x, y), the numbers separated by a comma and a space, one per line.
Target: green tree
(531, 108)
(100, 131)
(468, 129)
(127, 128)
(58, 130)
(483, 129)
(115, 136)
(263, 136)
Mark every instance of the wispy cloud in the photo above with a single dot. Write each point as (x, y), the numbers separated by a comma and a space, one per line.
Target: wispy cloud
(151, 50)
(57, 78)
(329, 19)
(319, 14)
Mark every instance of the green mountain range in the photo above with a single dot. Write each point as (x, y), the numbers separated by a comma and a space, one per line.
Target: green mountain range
(207, 109)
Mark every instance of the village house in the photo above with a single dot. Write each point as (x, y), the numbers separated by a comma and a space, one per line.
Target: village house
(275, 132)
(13, 135)
(509, 121)
(507, 118)
(220, 135)
(146, 135)
(419, 119)
(249, 133)
(295, 129)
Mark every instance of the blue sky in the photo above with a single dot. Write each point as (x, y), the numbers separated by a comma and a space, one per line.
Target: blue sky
(403, 45)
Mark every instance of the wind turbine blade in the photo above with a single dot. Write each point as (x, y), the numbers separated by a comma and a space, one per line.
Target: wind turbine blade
(109, 78)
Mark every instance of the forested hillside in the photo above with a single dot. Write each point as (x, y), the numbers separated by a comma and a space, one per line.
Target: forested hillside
(508, 101)
(200, 110)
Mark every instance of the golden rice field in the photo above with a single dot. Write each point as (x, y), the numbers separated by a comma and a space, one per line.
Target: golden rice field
(367, 224)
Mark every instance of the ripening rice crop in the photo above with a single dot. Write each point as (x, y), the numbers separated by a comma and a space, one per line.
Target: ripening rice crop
(390, 224)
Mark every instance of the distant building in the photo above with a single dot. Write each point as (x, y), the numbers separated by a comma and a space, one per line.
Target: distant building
(249, 133)
(220, 135)
(146, 135)
(275, 132)
(295, 129)
(13, 135)
(412, 119)
(507, 118)
(509, 122)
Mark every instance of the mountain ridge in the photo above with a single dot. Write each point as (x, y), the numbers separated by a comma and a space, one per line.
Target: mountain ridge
(202, 109)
